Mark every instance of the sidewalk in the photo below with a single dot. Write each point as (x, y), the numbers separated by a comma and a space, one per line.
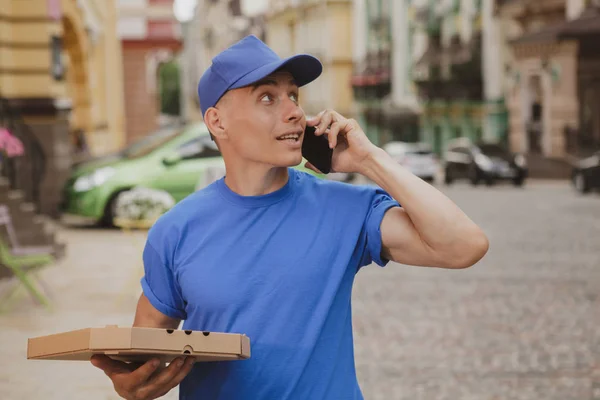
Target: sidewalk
(94, 285)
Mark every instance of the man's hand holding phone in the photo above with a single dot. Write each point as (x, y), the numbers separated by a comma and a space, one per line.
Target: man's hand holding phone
(347, 143)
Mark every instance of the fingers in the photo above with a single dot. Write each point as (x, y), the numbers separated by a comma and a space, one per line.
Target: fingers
(185, 370)
(160, 382)
(316, 119)
(332, 135)
(326, 119)
(108, 365)
(333, 124)
(143, 373)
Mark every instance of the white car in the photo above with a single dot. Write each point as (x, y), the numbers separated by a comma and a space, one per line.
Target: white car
(416, 157)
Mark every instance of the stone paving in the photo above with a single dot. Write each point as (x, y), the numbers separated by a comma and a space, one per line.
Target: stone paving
(522, 324)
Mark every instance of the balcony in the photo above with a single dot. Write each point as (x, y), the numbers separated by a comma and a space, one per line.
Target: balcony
(371, 77)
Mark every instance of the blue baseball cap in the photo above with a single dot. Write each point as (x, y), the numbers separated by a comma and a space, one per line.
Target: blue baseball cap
(246, 62)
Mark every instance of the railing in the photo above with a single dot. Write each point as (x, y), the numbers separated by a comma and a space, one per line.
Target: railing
(24, 172)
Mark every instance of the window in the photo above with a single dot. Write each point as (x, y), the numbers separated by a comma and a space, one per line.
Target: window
(493, 150)
(150, 143)
(201, 147)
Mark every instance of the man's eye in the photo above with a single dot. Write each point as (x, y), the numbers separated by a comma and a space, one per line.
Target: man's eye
(294, 97)
(266, 98)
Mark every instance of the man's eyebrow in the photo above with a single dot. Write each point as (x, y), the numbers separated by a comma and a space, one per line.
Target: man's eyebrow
(269, 82)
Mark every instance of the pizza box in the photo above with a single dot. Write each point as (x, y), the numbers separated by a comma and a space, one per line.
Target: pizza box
(139, 345)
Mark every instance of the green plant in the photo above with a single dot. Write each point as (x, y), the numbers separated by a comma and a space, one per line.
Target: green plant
(170, 91)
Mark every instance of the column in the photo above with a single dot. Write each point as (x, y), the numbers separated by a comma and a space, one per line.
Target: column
(359, 31)
(495, 115)
(400, 51)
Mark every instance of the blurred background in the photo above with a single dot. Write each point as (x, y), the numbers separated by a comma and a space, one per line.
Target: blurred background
(495, 102)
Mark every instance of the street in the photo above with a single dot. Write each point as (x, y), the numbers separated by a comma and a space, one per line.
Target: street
(524, 323)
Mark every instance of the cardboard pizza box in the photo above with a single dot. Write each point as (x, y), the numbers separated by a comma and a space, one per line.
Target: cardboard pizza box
(139, 345)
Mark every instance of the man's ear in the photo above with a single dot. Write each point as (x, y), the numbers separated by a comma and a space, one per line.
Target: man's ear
(213, 119)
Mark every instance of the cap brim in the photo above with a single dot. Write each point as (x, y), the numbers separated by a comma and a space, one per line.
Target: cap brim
(303, 67)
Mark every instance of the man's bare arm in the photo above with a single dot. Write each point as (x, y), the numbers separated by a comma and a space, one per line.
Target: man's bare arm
(429, 229)
(146, 316)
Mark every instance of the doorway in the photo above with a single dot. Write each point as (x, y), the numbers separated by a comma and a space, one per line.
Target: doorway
(78, 89)
(534, 123)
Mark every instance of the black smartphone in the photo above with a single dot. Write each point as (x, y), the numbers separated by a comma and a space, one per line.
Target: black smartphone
(316, 150)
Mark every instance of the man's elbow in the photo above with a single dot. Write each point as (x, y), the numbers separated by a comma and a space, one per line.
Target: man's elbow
(469, 251)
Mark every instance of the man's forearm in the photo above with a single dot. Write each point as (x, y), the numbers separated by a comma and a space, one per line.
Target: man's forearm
(437, 219)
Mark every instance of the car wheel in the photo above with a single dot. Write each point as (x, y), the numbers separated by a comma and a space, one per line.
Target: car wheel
(107, 220)
(581, 184)
(474, 177)
(518, 181)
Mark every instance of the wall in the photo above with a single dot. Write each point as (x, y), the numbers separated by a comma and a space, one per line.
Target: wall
(94, 79)
(215, 26)
(149, 34)
(558, 95)
(323, 29)
(87, 95)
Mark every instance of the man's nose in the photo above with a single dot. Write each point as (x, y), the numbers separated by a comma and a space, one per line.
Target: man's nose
(294, 112)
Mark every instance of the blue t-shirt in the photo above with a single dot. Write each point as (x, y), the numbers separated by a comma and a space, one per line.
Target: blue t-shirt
(278, 268)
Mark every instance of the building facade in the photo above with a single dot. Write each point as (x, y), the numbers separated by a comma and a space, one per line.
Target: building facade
(151, 39)
(60, 64)
(384, 55)
(215, 26)
(457, 74)
(428, 70)
(552, 70)
(322, 28)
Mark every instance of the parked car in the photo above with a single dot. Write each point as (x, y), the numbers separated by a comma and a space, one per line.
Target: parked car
(416, 157)
(178, 160)
(586, 174)
(483, 161)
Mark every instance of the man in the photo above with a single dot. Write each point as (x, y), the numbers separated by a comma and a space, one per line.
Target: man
(272, 252)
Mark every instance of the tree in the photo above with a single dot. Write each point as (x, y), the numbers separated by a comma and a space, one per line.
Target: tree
(169, 88)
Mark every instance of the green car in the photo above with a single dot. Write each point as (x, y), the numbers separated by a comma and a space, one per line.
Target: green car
(178, 160)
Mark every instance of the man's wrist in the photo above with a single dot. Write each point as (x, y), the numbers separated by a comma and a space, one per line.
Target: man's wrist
(373, 162)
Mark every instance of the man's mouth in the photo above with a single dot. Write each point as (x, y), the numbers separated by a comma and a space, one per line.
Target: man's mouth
(292, 137)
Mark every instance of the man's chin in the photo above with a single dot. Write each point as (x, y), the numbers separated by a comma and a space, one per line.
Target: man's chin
(291, 161)
(290, 165)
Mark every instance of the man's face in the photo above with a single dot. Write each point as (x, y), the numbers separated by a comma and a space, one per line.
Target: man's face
(264, 122)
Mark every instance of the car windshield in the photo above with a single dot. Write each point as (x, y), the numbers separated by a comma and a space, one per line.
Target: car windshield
(492, 150)
(151, 142)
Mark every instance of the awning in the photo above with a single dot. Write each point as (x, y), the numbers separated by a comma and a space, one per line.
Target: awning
(587, 24)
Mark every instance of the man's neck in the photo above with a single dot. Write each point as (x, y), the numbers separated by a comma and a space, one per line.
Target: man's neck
(256, 181)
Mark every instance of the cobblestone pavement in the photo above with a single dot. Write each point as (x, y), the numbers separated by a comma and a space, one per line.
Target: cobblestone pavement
(522, 324)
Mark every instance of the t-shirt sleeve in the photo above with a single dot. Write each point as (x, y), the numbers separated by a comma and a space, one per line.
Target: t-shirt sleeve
(159, 284)
(380, 203)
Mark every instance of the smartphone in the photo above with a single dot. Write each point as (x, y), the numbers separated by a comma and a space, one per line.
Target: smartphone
(316, 150)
